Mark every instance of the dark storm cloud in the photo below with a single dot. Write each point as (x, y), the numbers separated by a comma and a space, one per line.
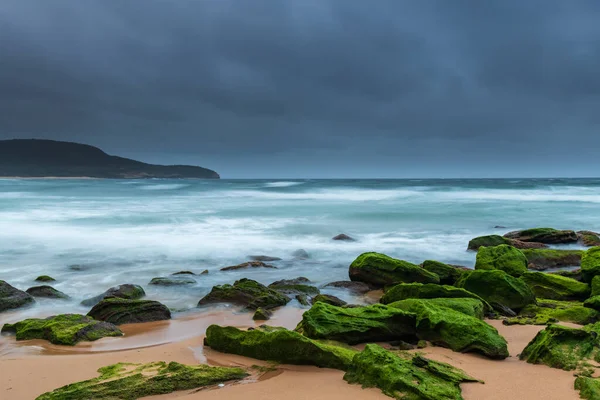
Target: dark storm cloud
(299, 87)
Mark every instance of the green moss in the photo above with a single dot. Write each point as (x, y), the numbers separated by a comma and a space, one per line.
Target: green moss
(329, 299)
(595, 286)
(357, 325)
(448, 274)
(45, 278)
(428, 291)
(46, 292)
(544, 235)
(126, 291)
(133, 381)
(565, 348)
(262, 315)
(460, 331)
(406, 377)
(381, 270)
(549, 311)
(247, 293)
(588, 238)
(65, 329)
(497, 288)
(552, 258)
(504, 257)
(487, 241)
(296, 289)
(11, 297)
(556, 287)
(590, 264)
(123, 311)
(472, 307)
(589, 388)
(278, 344)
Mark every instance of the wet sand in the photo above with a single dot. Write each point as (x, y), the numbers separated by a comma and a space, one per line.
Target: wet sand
(28, 369)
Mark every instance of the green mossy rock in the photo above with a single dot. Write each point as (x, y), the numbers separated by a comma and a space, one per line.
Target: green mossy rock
(247, 293)
(590, 264)
(589, 388)
(123, 311)
(45, 278)
(374, 323)
(329, 299)
(504, 257)
(556, 287)
(126, 291)
(571, 273)
(487, 241)
(11, 297)
(565, 348)
(47, 292)
(262, 315)
(278, 344)
(65, 329)
(406, 376)
(428, 291)
(593, 303)
(459, 331)
(498, 288)
(595, 286)
(544, 235)
(133, 381)
(550, 311)
(468, 306)
(178, 280)
(589, 238)
(448, 274)
(541, 259)
(295, 286)
(380, 270)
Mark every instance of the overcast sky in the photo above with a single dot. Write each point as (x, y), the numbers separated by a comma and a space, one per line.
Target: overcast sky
(311, 88)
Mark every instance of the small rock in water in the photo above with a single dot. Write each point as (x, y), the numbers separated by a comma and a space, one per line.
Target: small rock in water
(262, 315)
(46, 291)
(204, 272)
(126, 291)
(329, 299)
(249, 264)
(343, 237)
(163, 281)
(45, 278)
(301, 254)
(355, 287)
(183, 273)
(264, 258)
(11, 297)
(499, 227)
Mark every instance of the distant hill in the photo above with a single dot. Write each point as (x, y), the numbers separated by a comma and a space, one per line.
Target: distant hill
(48, 158)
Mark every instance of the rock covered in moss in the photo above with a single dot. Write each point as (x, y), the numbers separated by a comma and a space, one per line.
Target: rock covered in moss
(487, 241)
(405, 376)
(353, 287)
(178, 280)
(126, 291)
(262, 315)
(45, 278)
(278, 344)
(249, 264)
(542, 259)
(11, 297)
(295, 286)
(302, 299)
(246, 293)
(357, 325)
(595, 286)
(459, 331)
(549, 311)
(468, 306)
(590, 264)
(589, 238)
(593, 303)
(589, 388)
(544, 235)
(380, 270)
(497, 288)
(46, 291)
(448, 274)
(123, 311)
(133, 381)
(504, 257)
(569, 273)
(329, 299)
(427, 291)
(555, 287)
(65, 329)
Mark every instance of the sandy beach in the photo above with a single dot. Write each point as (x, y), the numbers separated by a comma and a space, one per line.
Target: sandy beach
(28, 369)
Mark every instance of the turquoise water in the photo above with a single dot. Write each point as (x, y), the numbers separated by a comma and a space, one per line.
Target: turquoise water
(131, 231)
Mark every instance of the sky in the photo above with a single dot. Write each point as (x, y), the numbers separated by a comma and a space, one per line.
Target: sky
(311, 88)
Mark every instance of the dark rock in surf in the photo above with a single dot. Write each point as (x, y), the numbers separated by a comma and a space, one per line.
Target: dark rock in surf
(264, 258)
(343, 237)
(126, 291)
(329, 299)
(301, 254)
(262, 315)
(353, 287)
(11, 297)
(246, 293)
(123, 311)
(47, 292)
(249, 264)
(588, 238)
(544, 235)
(45, 278)
(295, 286)
(176, 281)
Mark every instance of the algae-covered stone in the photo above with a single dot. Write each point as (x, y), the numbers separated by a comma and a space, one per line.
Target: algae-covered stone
(357, 325)
(544, 235)
(123, 311)
(406, 376)
(381, 270)
(427, 291)
(177, 280)
(595, 286)
(459, 331)
(262, 315)
(542, 259)
(548, 311)
(278, 344)
(246, 293)
(133, 381)
(45, 278)
(329, 299)
(46, 291)
(569, 273)
(589, 238)
(448, 274)
(589, 388)
(126, 291)
(487, 241)
(562, 347)
(469, 306)
(593, 303)
(497, 288)
(295, 286)
(11, 297)
(555, 287)
(249, 264)
(506, 258)
(590, 264)
(65, 329)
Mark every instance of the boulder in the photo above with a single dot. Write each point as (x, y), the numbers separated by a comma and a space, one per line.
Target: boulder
(550, 311)
(262, 315)
(175, 281)
(544, 235)
(246, 293)
(504, 257)
(126, 291)
(487, 241)
(134, 381)
(542, 259)
(448, 273)
(46, 291)
(468, 306)
(595, 286)
(295, 286)
(11, 297)
(590, 264)
(589, 238)
(302, 299)
(343, 237)
(328, 299)
(556, 287)
(278, 344)
(380, 270)
(300, 254)
(353, 287)
(376, 323)
(249, 264)
(572, 273)
(404, 375)
(264, 258)
(497, 288)
(123, 311)
(593, 303)
(45, 278)
(64, 329)
(428, 291)
(460, 331)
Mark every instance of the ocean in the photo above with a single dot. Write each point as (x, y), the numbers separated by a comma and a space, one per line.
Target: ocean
(129, 231)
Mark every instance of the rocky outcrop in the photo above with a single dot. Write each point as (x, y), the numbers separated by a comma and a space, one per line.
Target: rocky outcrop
(556, 287)
(123, 311)
(551, 311)
(353, 287)
(542, 259)
(428, 291)
(126, 291)
(11, 297)
(380, 270)
(246, 293)
(588, 238)
(249, 264)
(497, 240)
(590, 264)
(503, 257)
(47, 292)
(544, 235)
(328, 299)
(448, 274)
(295, 286)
